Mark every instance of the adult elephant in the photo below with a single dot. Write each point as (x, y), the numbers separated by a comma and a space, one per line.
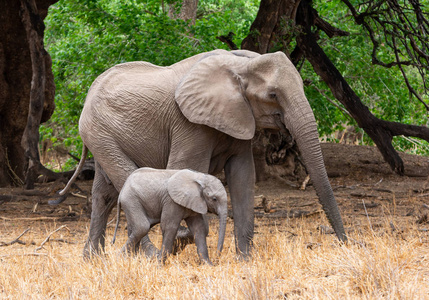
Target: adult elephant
(200, 113)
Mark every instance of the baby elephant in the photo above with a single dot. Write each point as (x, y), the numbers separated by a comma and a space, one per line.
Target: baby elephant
(151, 196)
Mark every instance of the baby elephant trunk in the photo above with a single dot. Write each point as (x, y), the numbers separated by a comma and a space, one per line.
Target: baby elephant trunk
(223, 215)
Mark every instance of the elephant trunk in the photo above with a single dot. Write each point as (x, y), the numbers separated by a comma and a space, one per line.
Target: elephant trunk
(223, 215)
(302, 126)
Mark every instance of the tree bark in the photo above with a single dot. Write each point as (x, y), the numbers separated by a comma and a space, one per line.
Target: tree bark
(262, 28)
(186, 10)
(34, 28)
(272, 29)
(15, 86)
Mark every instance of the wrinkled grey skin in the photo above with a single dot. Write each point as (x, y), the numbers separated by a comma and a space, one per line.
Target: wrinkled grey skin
(200, 113)
(150, 196)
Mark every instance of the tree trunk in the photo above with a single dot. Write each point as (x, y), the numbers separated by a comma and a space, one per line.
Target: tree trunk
(15, 85)
(185, 10)
(273, 26)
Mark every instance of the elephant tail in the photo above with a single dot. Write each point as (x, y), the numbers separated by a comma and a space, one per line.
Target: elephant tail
(77, 172)
(117, 221)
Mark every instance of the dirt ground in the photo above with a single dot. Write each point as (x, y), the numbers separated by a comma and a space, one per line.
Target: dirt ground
(366, 190)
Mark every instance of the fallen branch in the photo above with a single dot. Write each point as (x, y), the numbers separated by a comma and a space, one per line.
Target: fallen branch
(79, 196)
(62, 241)
(423, 195)
(32, 192)
(288, 214)
(384, 191)
(24, 254)
(20, 194)
(362, 195)
(49, 236)
(3, 244)
(304, 183)
(6, 198)
(30, 219)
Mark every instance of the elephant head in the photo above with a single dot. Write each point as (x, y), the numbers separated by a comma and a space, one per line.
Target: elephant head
(200, 193)
(238, 92)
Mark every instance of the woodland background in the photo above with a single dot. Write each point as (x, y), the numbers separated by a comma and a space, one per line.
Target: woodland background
(364, 65)
(84, 38)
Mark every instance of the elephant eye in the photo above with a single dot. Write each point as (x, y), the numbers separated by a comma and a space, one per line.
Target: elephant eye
(272, 95)
(214, 199)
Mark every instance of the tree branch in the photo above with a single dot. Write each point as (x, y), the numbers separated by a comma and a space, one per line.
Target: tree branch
(396, 22)
(2, 244)
(49, 236)
(330, 30)
(407, 82)
(227, 39)
(380, 131)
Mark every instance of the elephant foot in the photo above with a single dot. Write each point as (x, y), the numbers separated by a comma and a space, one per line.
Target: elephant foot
(150, 251)
(148, 248)
(244, 257)
(90, 251)
(183, 238)
(244, 252)
(206, 262)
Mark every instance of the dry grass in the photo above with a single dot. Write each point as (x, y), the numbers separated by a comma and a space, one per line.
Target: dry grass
(290, 260)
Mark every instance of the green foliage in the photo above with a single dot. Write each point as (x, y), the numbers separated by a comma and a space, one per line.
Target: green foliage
(84, 38)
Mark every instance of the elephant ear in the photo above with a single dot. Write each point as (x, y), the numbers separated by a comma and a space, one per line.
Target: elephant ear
(184, 188)
(245, 53)
(212, 94)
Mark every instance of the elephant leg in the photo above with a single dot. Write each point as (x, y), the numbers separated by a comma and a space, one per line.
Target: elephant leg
(123, 167)
(184, 158)
(200, 231)
(138, 227)
(168, 237)
(240, 177)
(170, 222)
(104, 198)
(148, 248)
(184, 237)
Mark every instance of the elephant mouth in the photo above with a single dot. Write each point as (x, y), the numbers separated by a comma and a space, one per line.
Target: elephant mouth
(278, 119)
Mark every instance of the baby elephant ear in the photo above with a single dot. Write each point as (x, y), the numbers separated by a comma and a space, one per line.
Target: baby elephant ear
(184, 189)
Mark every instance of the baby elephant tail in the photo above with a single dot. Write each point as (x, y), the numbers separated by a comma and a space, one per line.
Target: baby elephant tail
(117, 221)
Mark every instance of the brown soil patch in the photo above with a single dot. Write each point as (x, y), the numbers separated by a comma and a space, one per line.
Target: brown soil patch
(366, 190)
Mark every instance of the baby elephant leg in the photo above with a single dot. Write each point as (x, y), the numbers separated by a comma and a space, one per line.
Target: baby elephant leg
(184, 237)
(198, 228)
(138, 227)
(148, 248)
(169, 226)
